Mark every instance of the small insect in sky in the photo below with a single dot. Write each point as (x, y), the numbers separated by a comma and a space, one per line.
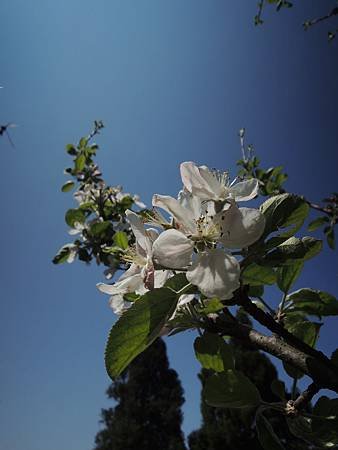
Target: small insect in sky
(4, 130)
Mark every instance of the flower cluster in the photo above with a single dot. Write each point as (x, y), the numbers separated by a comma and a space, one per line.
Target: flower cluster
(205, 224)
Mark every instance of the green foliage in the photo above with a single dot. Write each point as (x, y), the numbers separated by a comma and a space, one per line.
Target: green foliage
(287, 275)
(121, 239)
(231, 389)
(63, 254)
(312, 302)
(138, 328)
(213, 353)
(317, 223)
(284, 211)
(256, 275)
(305, 331)
(68, 186)
(321, 429)
(267, 437)
(74, 216)
(292, 249)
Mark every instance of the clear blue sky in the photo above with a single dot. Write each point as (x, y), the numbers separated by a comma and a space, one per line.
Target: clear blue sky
(172, 81)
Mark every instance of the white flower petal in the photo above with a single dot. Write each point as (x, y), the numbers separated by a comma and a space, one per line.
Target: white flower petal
(161, 276)
(181, 215)
(214, 185)
(216, 273)
(241, 227)
(244, 190)
(134, 269)
(185, 298)
(192, 203)
(152, 234)
(197, 182)
(173, 249)
(139, 231)
(118, 304)
(130, 284)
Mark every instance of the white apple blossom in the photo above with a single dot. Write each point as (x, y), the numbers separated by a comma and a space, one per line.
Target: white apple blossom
(141, 275)
(214, 271)
(214, 185)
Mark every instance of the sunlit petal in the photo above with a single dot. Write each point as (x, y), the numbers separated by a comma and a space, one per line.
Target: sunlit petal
(241, 227)
(216, 273)
(173, 249)
(244, 190)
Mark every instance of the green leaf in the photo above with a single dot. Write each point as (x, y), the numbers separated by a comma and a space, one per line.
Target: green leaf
(313, 302)
(83, 142)
(330, 238)
(121, 239)
(321, 431)
(256, 275)
(80, 162)
(99, 228)
(178, 282)
(278, 388)
(293, 248)
(71, 150)
(283, 211)
(139, 326)
(213, 353)
(211, 305)
(317, 223)
(231, 389)
(266, 436)
(68, 186)
(256, 291)
(287, 275)
(307, 332)
(63, 254)
(74, 215)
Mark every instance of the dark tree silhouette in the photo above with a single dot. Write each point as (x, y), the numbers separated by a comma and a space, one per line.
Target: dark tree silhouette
(233, 429)
(148, 400)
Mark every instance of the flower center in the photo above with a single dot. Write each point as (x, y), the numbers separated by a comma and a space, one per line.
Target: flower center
(132, 256)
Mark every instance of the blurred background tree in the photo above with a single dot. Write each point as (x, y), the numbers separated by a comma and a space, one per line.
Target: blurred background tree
(147, 414)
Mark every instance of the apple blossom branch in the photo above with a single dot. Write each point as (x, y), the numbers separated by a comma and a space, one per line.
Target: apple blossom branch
(323, 373)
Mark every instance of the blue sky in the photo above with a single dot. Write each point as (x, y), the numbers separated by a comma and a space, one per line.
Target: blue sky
(172, 81)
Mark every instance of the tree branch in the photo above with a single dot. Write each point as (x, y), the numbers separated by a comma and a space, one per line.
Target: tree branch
(322, 374)
(268, 321)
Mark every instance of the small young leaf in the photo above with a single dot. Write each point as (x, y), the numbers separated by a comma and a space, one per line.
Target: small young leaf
(287, 275)
(230, 389)
(71, 150)
(74, 215)
(330, 238)
(317, 223)
(121, 239)
(213, 353)
(80, 162)
(68, 186)
(62, 255)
